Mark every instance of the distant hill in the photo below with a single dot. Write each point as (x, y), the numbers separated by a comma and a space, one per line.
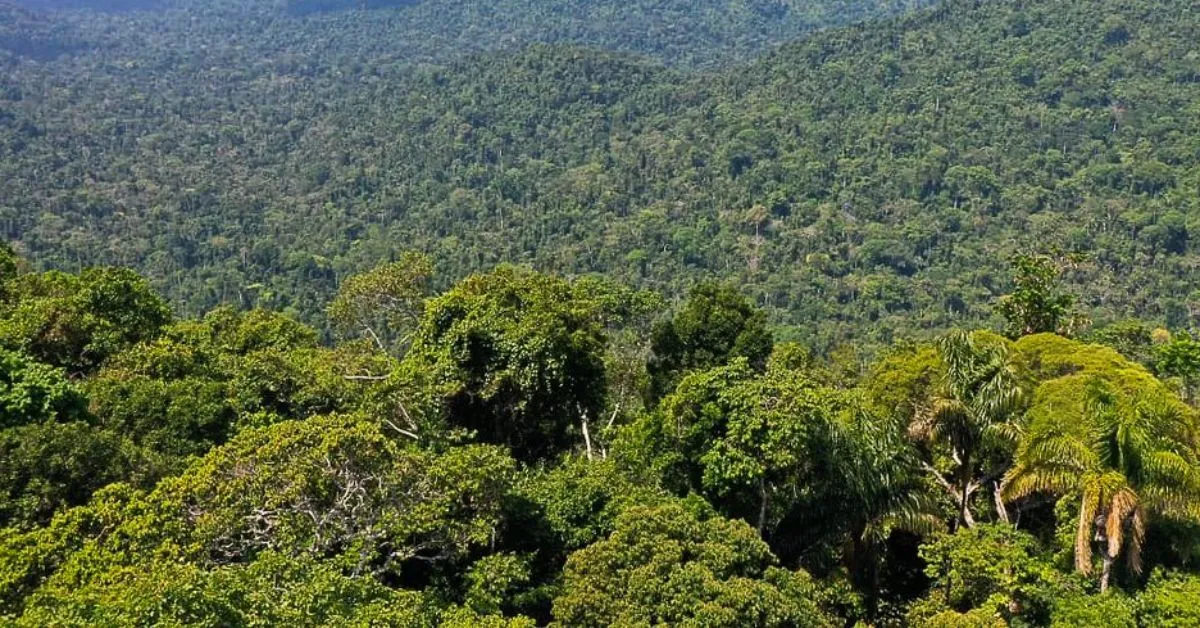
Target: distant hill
(686, 33)
(28, 33)
(868, 182)
(96, 5)
(303, 7)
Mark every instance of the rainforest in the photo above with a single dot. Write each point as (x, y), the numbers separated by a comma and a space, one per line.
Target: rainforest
(654, 313)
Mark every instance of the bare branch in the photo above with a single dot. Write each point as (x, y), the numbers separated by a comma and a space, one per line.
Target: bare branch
(402, 431)
(937, 475)
(613, 418)
(375, 337)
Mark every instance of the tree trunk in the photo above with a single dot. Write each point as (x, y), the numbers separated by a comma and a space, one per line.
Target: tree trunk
(1001, 510)
(965, 494)
(968, 519)
(1105, 571)
(587, 438)
(762, 507)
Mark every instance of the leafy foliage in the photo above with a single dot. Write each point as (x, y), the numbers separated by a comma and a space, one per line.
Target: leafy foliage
(517, 357)
(385, 302)
(1170, 600)
(77, 322)
(670, 565)
(970, 132)
(31, 392)
(453, 439)
(337, 486)
(715, 325)
(232, 470)
(272, 590)
(1036, 306)
(45, 467)
(1123, 457)
(990, 568)
(739, 439)
(969, 418)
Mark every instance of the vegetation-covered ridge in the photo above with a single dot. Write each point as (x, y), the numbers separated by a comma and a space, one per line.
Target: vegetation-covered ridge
(525, 450)
(872, 178)
(691, 34)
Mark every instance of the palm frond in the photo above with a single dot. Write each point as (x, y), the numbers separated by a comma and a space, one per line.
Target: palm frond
(1022, 481)
(1170, 468)
(1083, 536)
(1137, 534)
(1122, 506)
(1009, 432)
(914, 513)
(1058, 449)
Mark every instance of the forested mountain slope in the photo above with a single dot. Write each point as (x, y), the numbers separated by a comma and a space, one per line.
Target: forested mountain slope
(695, 33)
(687, 33)
(869, 181)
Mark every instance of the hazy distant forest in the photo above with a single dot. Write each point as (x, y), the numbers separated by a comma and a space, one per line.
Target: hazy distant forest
(595, 313)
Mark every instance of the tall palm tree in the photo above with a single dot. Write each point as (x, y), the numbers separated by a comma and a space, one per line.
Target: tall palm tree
(879, 491)
(1124, 462)
(970, 418)
(865, 485)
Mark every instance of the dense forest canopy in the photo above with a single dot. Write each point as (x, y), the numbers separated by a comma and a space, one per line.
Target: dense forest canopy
(525, 450)
(697, 33)
(868, 182)
(514, 314)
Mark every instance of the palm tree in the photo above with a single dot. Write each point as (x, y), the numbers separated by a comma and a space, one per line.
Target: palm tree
(1123, 463)
(866, 485)
(971, 414)
(879, 492)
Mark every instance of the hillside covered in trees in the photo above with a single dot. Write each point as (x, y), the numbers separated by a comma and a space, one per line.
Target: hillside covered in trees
(526, 450)
(514, 314)
(691, 34)
(868, 182)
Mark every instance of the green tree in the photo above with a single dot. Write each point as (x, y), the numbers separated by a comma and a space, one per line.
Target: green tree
(1072, 610)
(337, 486)
(1169, 601)
(1127, 460)
(517, 358)
(716, 324)
(1134, 339)
(175, 418)
(8, 269)
(739, 438)
(384, 304)
(493, 581)
(275, 589)
(31, 392)
(201, 381)
(45, 467)
(992, 568)
(967, 424)
(673, 565)
(120, 528)
(1179, 358)
(580, 500)
(77, 322)
(1036, 305)
(866, 489)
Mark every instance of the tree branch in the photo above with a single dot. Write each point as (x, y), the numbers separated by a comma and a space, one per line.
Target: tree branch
(1001, 510)
(405, 432)
(587, 439)
(937, 475)
(375, 337)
